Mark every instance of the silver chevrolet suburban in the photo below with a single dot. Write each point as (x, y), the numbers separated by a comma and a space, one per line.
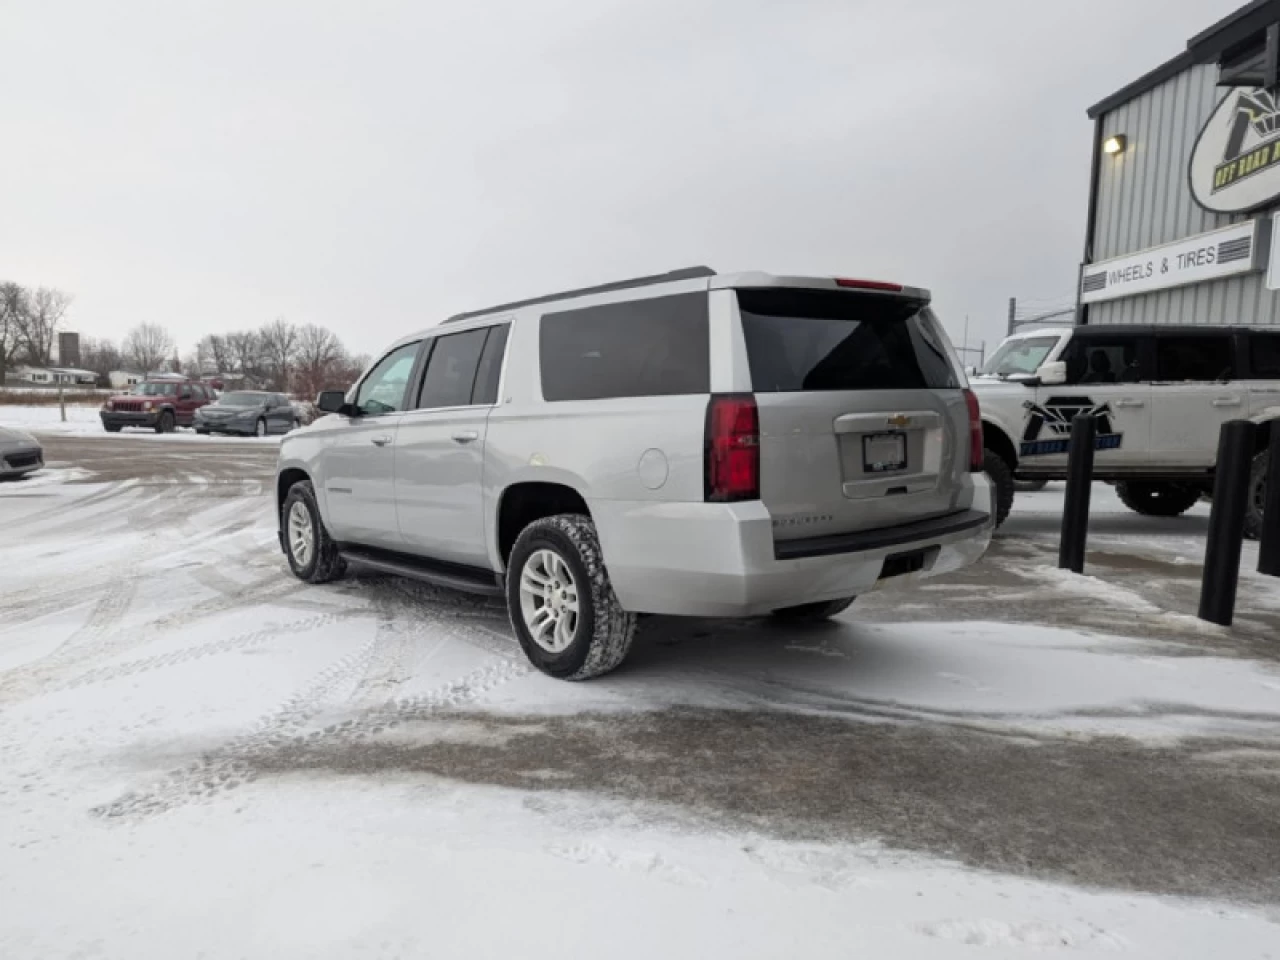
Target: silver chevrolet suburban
(688, 443)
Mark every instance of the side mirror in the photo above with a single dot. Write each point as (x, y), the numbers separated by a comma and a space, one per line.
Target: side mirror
(332, 401)
(1052, 374)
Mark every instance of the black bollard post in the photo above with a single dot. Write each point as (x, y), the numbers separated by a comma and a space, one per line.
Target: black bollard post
(1226, 522)
(1075, 510)
(1269, 548)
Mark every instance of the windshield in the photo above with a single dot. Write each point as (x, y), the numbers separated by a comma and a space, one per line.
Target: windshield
(154, 390)
(241, 399)
(1019, 357)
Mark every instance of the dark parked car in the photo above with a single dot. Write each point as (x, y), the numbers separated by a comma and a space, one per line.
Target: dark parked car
(248, 412)
(19, 453)
(159, 405)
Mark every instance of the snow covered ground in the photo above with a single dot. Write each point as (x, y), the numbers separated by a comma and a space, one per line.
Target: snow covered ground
(83, 421)
(201, 757)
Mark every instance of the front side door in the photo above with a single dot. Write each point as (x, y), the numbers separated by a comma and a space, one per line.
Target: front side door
(1195, 392)
(185, 404)
(359, 457)
(1106, 377)
(440, 450)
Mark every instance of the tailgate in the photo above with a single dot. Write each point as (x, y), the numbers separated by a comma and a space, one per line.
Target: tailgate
(863, 423)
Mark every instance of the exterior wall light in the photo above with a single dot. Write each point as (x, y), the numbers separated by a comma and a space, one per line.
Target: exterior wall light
(1114, 145)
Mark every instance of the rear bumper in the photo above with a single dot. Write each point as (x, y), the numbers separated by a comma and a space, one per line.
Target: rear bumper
(720, 560)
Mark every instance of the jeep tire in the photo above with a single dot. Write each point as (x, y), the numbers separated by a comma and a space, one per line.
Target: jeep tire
(1257, 496)
(814, 612)
(1158, 498)
(165, 423)
(312, 554)
(562, 606)
(1001, 476)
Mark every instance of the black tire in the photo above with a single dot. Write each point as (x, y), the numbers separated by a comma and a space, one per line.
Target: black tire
(112, 427)
(603, 631)
(1257, 496)
(260, 428)
(1001, 476)
(1029, 486)
(814, 612)
(324, 562)
(165, 423)
(201, 432)
(297, 424)
(1157, 498)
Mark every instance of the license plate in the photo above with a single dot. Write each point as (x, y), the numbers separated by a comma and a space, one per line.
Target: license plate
(884, 452)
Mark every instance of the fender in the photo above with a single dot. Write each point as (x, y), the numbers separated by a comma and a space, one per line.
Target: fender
(528, 473)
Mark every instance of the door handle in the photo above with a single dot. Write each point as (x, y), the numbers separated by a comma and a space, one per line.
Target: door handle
(381, 441)
(1227, 402)
(1121, 404)
(465, 436)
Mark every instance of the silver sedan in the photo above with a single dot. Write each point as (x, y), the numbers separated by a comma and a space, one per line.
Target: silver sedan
(20, 454)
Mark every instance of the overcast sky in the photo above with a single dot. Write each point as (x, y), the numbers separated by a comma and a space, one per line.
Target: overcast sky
(374, 166)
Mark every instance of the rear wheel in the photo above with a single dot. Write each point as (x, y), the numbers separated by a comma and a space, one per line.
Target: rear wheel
(1257, 496)
(260, 430)
(312, 554)
(1001, 476)
(562, 606)
(1157, 498)
(165, 423)
(814, 612)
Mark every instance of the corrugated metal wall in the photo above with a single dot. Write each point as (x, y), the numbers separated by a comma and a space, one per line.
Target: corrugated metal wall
(1144, 201)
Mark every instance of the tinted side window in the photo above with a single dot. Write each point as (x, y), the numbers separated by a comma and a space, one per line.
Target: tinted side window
(1194, 358)
(641, 348)
(451, 370)
(485, 391)
(383, 390)
(1264, 355)
(1102, 360)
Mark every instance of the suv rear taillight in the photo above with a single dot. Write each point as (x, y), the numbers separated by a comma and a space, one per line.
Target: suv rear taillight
(732, 456)
(976, 457)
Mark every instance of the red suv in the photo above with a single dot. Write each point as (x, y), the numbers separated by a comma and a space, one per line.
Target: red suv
(158, 404)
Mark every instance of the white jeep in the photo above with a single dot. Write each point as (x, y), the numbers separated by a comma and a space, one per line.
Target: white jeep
(1160, 395)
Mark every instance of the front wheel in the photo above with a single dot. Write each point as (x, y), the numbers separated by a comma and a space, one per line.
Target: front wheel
(1157, 498)
(814, 612)
(1029, 486)
(313, 556)
(112, 427)
(165, 423)
(1001, 476)
(1257, 496)
(260, 430)
(562, 606)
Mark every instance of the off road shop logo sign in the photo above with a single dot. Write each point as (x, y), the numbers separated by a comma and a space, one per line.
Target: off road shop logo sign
(1049, 426)
(1235, 164)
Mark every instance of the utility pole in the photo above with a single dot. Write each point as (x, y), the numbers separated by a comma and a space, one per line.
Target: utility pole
(1013, 309)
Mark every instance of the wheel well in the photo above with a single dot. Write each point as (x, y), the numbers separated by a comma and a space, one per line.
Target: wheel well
(284, 481)
(1264, 435)
(523, 503)
(996, 439)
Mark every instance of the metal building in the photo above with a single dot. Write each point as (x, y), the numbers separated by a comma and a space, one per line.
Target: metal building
(1185, 181)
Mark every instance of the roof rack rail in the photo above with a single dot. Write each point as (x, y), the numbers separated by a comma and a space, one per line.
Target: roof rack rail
(687, 273)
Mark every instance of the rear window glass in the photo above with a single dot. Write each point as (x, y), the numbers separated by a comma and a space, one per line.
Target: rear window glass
(655, 347)
(1194, 358)
(1264, 355)
(815, 340)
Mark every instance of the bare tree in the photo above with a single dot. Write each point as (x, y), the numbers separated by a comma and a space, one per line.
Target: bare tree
(100, 356)
(244, 352)
(279, 350)
(318, 355)
(148, 347)
(38, 324)
(14, 305)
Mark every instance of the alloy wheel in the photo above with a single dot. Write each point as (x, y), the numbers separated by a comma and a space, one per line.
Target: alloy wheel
(549, 600)
(302, 537)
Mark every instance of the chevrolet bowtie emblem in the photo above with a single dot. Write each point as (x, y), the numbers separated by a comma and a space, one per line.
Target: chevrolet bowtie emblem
(899, 420)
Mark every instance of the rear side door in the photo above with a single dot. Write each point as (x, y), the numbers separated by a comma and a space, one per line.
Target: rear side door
(280, 416)
(1196, 391)
(439, 456)
(863, 420)
(1108, 377)
(359, 456)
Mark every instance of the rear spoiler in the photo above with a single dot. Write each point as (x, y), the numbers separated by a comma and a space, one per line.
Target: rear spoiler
(756, 279)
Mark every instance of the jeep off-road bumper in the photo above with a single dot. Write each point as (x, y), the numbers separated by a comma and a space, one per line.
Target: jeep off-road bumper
(129, 418)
